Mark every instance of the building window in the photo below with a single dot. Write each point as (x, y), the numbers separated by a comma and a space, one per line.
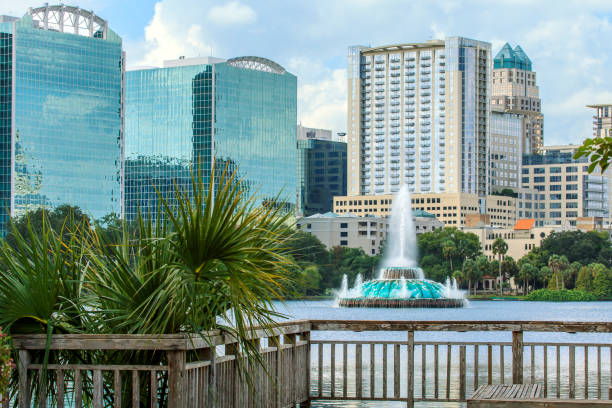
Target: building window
(572, 187)
(571, 214)
(342, 225)
(344, 243)
(555, 196)
(555, 179)
(555, 214)
(555, 169)
(308, 226)
(571, 205)
(555, 205)
(556, 187)
(571, 178)
(526, 170)
(344, 234)
(540, 179)
(538, 170)
(571, 169)
(571, 196)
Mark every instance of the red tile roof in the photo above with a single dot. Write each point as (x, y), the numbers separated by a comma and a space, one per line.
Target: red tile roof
(524, 224)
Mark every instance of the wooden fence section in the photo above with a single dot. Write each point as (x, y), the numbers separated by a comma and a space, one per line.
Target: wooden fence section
(412, 371)
(198, 371)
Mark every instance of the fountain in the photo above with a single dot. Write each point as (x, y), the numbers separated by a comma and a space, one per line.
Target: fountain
(401, 283)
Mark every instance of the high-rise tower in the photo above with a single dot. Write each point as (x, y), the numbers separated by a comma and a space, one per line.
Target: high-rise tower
(61, 112)
(418, 114)
(514, 90)
(602, 120)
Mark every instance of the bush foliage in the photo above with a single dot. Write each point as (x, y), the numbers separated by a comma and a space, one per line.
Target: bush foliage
(562, 295)
(6, 363)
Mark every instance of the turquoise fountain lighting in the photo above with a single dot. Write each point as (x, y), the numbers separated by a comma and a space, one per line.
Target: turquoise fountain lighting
(401, 282)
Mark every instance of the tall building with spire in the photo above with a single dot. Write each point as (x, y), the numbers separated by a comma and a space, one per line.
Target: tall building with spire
(514, 90)
(418, 114)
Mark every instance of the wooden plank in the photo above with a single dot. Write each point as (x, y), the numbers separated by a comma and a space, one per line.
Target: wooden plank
(545, 368)
(410, 368)
(135, 389)
(501, 365)
(358, 371)
(344, 370)
(517, 357)
(60, 395)
(153, 387)
(117, 389)
(436, 368)
(42, 388)
(176, 378)
(475, 367)
(586, 372)
(24, 384)
(532, 364)
(558, 371)
(320, 370)
(423, 369)
(599, 372)
(384, 371)
(333, 370)
(572, 372)
(97, 389)
(372, 369)
(462, 373)
(538, 403)
(489, 364)
(448, 369)
(78, 389)
(396, 371)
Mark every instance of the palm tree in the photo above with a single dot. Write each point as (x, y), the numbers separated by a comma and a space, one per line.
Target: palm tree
(526, 273)
(500, 247)
(557, 265)
(449, 249)
(471, 273)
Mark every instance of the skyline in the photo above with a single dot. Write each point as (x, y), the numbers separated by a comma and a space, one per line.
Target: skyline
(567, 44)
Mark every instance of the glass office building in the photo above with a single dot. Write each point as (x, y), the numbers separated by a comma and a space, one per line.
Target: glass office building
(61, 73)
(240, 113)
(321, 175)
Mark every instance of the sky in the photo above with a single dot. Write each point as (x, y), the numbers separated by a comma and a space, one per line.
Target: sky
(568, 41)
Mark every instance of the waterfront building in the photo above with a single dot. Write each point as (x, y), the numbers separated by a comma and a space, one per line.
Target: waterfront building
(418, 114)
(61, 112)
(452, 209)
(505, 151)
(321, 170)
(602, 120)
(568, 192)
(354, 231)
(514, 90)
(195, 112)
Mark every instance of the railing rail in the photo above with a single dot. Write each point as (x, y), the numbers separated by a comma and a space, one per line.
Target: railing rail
(409, 370)
(303, 362)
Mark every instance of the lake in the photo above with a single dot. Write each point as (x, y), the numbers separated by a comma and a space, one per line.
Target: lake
(476, 310)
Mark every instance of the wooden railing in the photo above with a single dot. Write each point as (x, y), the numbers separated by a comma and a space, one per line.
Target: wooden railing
(209, 370)
(203, 370)
(411, 371)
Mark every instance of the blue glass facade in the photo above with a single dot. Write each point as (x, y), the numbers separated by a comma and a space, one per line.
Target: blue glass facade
(322, 167)
(61, 133)
(184, 116)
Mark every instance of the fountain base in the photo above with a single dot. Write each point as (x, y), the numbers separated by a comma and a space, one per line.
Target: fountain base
(401, 303)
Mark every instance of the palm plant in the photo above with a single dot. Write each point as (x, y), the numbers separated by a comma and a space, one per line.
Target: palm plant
(500, 247)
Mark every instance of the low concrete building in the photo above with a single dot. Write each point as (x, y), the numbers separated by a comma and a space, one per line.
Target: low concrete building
(353, 231)
(450, 208)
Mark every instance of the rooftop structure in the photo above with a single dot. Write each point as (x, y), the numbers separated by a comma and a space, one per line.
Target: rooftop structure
(512, 58)
(602, 120)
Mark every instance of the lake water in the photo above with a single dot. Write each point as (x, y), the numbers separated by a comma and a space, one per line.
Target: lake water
(476, 310)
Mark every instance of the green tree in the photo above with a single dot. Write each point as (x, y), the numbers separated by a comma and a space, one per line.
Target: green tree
(472, 272)
(308, 280)
(557, 265)
(458, 276)
(598, 150)
(526, 273)
(459, 247)
(577, 246)
(449, 250)
(509, 267)
(584, 281)
(500, 247)
(602, 283)
(482, 265)
(544, 276)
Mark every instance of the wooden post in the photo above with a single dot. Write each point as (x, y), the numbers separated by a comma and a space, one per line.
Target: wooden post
(462, 373)
(292, 340)
(306, 337)
(517, 357)
(22, 367)
(232, 349)
(410, 391)
(176, 378)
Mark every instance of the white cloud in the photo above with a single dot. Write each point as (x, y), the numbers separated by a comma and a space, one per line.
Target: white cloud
(233, 12)
(322, 104)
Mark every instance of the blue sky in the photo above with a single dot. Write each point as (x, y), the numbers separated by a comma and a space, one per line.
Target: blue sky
(568, 41)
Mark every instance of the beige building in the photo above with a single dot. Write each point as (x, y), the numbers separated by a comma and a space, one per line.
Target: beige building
(566, 190)
(450, 208)
(514, 90)
(418, 114)
(352, 231)
(602, 120)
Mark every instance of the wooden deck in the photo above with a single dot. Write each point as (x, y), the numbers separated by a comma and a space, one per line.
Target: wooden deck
(487, 395)
(205, 370)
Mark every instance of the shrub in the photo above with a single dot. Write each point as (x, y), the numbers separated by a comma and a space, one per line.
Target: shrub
(6, 363)
(562, 295)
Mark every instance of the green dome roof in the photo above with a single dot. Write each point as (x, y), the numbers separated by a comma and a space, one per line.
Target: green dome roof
(422, 214)
(512, 58)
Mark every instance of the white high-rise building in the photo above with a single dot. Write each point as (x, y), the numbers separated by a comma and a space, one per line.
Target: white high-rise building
(418, 114)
